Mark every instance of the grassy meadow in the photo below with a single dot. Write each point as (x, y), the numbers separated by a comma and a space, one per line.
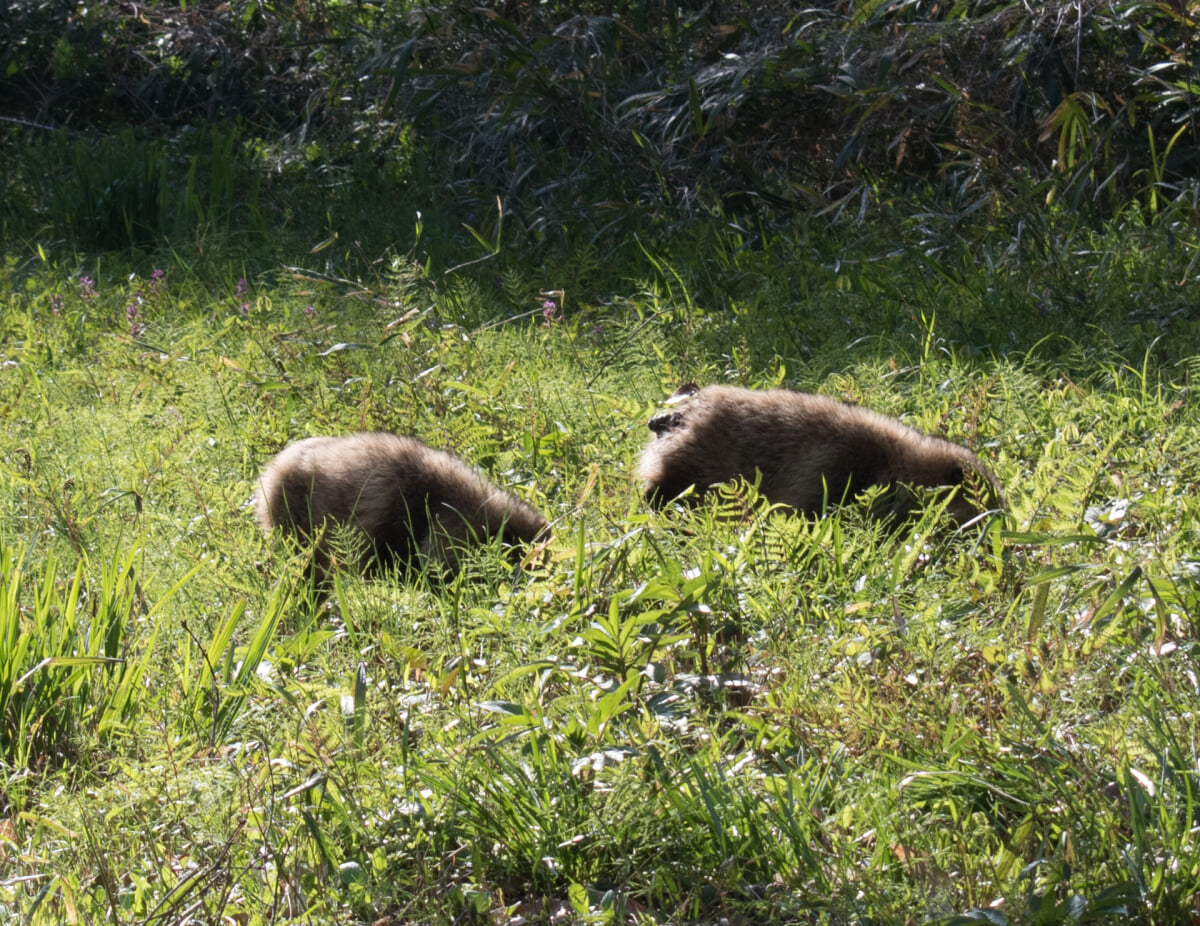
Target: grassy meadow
(512, 230)
(667, 717)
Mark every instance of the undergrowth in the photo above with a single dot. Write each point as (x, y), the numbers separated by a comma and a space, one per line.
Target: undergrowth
(511, 231)
(728, 713)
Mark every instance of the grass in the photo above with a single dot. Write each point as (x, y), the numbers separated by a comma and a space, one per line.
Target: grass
(676, 717)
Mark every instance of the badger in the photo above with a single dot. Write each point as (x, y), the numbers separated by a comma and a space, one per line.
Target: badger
(412, 505)
(807, 451)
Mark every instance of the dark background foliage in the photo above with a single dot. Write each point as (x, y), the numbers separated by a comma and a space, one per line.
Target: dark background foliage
(592, 126)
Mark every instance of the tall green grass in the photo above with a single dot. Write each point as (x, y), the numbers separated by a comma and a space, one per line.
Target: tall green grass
(67, 675)
(677, 716)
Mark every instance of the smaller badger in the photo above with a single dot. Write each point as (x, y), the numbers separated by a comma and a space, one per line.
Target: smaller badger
(807, 451)
(412, 504)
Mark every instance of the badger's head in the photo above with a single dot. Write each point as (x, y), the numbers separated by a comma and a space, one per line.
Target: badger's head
(667, 421)
(664, 421)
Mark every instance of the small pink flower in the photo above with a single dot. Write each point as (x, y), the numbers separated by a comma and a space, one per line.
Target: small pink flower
(158, 285)
(244, 308)
(87, 287)
(549, 313)
(133, 315)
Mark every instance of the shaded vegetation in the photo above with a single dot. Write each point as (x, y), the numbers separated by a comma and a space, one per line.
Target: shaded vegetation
(588, 125)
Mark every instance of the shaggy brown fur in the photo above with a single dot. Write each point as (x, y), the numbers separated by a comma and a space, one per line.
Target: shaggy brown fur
(809, 449)
(413, 504)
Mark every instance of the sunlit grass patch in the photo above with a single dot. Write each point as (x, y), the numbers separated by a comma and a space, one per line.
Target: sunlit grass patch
(686, 714)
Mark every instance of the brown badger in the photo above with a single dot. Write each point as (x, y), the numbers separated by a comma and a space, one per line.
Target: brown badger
(809, 450)
(413, 504)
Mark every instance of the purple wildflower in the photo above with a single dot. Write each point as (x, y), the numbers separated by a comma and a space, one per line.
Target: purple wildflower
(158, 285)
(87, 287)
(133, 315)
(56, 304)
(310, 312)
(549, 312)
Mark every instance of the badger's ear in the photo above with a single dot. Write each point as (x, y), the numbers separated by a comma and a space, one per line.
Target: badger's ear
(664, 422)
(687, 389)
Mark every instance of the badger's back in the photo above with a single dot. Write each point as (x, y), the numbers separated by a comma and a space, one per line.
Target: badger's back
(407, 499)
(807, 450)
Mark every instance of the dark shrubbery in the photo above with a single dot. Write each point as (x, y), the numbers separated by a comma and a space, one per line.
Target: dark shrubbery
(103, 66)
(618, 116)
